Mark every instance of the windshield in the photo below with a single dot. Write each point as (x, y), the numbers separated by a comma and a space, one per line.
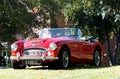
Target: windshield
(58, 32)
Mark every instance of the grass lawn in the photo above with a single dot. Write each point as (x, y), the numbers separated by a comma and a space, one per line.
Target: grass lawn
(77, 72)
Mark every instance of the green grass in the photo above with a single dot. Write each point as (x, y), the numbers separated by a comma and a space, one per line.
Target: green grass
(77, 72)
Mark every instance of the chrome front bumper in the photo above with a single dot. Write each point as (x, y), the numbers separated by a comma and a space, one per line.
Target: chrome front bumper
(43, 58)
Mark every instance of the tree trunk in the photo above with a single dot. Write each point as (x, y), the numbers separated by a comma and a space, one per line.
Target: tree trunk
(110, 54)
(116, 52)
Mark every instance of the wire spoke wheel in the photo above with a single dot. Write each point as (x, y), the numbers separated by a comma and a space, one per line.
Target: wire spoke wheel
(97, 58)
(65, 59)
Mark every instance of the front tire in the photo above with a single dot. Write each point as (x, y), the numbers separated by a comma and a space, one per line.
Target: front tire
(18, 65)
(64, 58)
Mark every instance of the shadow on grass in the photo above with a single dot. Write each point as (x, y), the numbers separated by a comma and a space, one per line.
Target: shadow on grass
(87, 67)
(71, 68)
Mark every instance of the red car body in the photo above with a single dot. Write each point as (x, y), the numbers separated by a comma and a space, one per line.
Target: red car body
(39, 52)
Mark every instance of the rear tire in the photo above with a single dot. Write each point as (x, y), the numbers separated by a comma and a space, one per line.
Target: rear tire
(97, 58)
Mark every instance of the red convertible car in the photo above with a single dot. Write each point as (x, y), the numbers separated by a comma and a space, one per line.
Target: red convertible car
(56, 47)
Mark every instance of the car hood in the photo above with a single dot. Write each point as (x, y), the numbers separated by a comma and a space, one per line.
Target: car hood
(36, 43)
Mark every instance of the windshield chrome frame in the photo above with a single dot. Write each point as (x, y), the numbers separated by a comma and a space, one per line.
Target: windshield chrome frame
(77, 30)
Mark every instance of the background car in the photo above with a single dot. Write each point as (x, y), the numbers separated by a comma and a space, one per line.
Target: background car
(56, 47)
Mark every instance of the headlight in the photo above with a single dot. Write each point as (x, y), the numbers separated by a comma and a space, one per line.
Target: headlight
(53, 46)
(14, 47)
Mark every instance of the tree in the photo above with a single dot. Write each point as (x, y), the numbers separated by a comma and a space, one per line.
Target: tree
(110, 20)
(24, 16)
(13, 16)
(44, 12)
(115, 19)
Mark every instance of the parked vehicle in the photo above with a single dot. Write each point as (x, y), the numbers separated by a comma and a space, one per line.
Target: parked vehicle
(56, 47)
(3, 59)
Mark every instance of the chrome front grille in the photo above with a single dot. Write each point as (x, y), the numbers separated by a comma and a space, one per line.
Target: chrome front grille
(34, 52)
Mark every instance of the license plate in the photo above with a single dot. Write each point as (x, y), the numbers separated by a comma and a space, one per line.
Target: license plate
(33, 62)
